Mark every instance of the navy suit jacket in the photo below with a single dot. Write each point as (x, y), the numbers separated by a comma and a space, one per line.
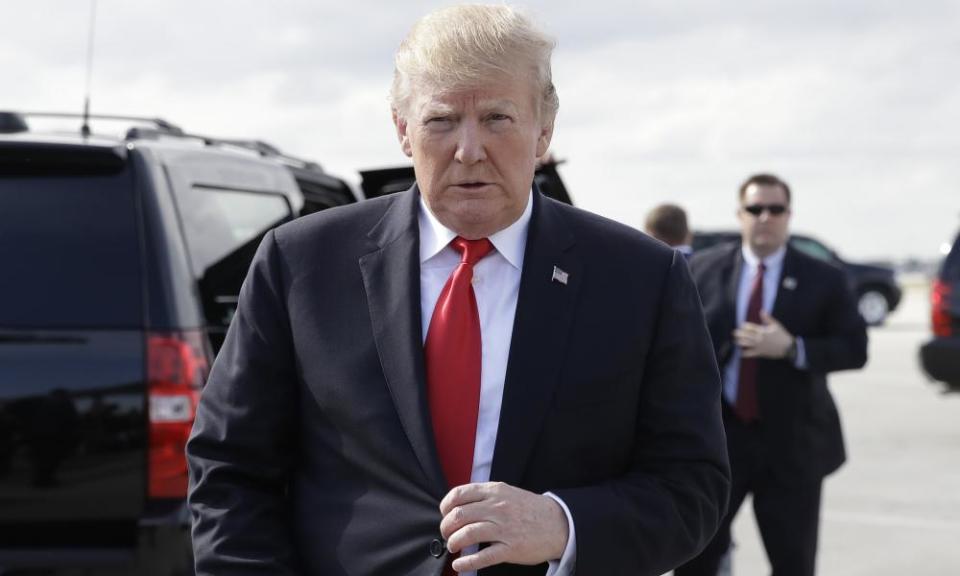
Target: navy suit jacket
(801, 429)
(313, 451)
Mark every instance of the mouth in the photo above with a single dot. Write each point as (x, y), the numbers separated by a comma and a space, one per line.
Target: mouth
(471, 184)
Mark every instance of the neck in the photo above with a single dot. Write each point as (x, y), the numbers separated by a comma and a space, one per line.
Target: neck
(763, 252)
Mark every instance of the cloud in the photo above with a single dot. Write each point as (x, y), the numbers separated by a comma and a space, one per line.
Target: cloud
(853, 102)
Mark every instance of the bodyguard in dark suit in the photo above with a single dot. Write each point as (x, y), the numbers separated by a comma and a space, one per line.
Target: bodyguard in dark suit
(780, 321)
(466, 371)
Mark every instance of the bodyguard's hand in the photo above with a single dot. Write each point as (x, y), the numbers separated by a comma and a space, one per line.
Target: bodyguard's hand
(767, 340)
(520, 527)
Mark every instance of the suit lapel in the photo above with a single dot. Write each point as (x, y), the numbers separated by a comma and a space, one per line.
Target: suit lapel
(391, 277)
(545, 310)
(731, 287)
(784, 305)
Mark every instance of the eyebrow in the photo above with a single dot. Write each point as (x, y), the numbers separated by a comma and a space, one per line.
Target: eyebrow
(435, 107)
(496, 104)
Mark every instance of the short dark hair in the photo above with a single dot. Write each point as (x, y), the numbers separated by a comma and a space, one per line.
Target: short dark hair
(668, 223)
(764, 179)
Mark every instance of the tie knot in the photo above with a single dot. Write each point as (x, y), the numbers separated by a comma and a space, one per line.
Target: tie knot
(761, 268)
(471, 251)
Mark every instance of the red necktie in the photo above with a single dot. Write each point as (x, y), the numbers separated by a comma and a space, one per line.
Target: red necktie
(452, 352)
(746, 407)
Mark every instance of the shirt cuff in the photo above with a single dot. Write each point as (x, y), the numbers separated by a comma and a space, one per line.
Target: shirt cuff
(567, 563)
(800, 362)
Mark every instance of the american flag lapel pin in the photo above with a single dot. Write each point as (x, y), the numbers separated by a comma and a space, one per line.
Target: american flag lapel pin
(790, 283)
(559, 276)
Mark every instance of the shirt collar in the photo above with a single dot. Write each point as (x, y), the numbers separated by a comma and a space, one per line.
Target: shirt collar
(771, 262)
(509, 242)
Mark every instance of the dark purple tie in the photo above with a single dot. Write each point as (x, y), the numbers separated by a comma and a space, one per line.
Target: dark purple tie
(746, 407)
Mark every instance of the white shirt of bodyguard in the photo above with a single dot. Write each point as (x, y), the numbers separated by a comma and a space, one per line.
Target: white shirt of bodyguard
(496, 284)
(771, 282)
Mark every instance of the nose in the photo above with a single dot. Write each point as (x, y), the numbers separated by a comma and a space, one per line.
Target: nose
(470, 145)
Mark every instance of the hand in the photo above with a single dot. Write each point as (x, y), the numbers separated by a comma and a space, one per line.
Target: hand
(767, 340)
(520, 527)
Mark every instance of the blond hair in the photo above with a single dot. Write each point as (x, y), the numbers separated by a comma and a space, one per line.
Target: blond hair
(464, 46)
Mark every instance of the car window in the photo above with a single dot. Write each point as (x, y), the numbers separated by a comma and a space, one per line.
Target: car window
(223, 228)
(69, 251)
(813, 248)
(217, 222)
(951, 264)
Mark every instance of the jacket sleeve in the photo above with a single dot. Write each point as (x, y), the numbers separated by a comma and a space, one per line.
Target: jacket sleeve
(667, 506)
(842, 343)
(242, 444)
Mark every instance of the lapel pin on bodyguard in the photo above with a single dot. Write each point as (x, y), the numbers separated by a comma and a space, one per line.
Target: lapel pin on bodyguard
(559, 276)
(790, 283)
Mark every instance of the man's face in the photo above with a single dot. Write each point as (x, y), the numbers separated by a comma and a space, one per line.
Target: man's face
(474, 151)
(765, 232)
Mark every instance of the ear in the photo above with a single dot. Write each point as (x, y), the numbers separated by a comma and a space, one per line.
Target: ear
(402, 134)
(543, 141)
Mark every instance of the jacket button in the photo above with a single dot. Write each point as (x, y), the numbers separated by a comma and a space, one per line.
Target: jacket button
(437, 548)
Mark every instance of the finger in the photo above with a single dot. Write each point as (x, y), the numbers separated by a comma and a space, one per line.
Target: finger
(460, 495)
(460, 516)
(749, 353)
(745, 341)
(743, 333)
(768, 319)
(493, 554)
(475, 533)
(749, 330)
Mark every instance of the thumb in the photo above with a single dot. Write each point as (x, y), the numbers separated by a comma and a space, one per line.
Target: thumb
(767, 318)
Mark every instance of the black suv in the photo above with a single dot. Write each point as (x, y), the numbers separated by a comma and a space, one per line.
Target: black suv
(940, 356)
(878, 293)
(122, 259)
(384, 181)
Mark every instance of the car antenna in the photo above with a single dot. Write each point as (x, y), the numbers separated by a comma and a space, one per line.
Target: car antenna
(85, 128)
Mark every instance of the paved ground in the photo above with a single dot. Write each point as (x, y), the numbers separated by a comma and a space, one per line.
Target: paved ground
(894, 508)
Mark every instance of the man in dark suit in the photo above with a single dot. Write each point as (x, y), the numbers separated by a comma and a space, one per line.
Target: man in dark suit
(465, 376)
(780, 321)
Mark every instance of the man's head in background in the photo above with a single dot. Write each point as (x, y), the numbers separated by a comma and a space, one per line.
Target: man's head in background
(764, 214)
(668, 223)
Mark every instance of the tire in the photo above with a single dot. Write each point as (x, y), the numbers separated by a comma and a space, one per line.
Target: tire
(873, 306)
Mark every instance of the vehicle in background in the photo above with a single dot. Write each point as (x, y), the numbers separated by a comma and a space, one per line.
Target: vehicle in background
(940, 357)
(389, 180)
(878, 293)
(123, 259)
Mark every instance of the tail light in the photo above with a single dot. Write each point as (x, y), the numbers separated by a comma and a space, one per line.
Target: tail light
(939, 312)
(177, 367)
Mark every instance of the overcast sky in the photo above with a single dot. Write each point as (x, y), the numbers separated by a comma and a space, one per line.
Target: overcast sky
(856, 103)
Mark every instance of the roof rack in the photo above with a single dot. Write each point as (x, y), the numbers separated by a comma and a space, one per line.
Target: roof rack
(266, 149)
(160, 128)
(160, 123)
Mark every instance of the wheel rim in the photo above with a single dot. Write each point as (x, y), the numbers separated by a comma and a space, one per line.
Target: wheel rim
(873, 307)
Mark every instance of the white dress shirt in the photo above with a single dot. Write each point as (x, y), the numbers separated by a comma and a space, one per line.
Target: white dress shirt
(496, 283)
(771, 281)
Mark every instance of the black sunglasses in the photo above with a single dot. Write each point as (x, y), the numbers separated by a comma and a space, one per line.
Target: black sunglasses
(773, 209)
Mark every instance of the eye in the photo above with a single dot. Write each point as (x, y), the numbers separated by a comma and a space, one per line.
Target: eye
(498, 117)
(438, 124)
